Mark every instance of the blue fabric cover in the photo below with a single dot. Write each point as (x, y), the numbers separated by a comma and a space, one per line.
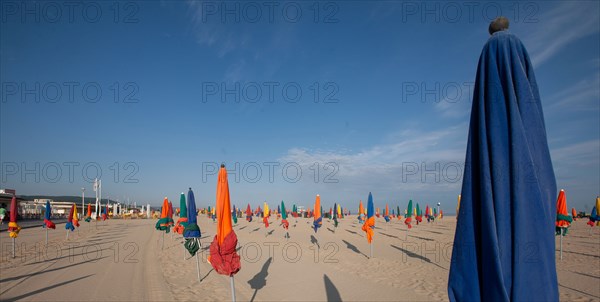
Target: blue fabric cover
(504, 247)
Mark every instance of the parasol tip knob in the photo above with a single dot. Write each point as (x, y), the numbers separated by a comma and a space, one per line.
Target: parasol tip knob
(498, 24)
(222, 165)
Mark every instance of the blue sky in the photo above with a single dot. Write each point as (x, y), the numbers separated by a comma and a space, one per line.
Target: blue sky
(358, 96)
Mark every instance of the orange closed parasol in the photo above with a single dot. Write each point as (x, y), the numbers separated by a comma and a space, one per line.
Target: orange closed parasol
(88, 217)
(563, 220)
(223, 256)
(361, 212)
(317, 214)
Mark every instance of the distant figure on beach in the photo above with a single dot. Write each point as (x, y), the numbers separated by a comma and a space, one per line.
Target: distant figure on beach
(504, 248)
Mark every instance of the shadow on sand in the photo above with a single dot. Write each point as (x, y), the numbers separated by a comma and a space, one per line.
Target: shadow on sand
(332, 293)
(353, 248)
(392, 236)
(35, 292)
(254, 230)
(422, 238)
(49, 270)
(313, 240)
(417, 256)
(260, 280)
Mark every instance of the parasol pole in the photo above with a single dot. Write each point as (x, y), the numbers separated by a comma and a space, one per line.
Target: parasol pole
(13, 249)
(198, 260)
(46, 236)
(371, 255)
(162, 247)
(561, 236)
(232, 288)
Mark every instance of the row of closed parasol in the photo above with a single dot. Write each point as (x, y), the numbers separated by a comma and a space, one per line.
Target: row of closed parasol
(223, 256)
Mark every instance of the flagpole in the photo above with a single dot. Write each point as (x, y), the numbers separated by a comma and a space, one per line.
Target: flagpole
(96, 205)
(100, 189)
(100, 196)
(82, 203)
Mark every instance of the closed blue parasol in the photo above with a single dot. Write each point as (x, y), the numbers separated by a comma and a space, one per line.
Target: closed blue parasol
(507, 208)
(369, 224)
(192, 230)
(191, 233)
(47, 222)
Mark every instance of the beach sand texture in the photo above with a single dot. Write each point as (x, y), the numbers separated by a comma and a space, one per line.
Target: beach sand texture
(123, 260)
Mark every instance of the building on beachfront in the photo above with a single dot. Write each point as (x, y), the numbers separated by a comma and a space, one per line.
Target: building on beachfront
(33, 209)
(6, 196)
(59, 208)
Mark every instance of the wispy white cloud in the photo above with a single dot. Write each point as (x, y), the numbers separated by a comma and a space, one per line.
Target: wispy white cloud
(582, 154)
(241, 44)
(395, 170)
(580, 96)
(458, 104)
(559, 27)
(209, 30)
(576, 169)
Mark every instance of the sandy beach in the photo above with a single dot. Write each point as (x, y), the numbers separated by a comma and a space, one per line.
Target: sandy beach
(124, 260)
